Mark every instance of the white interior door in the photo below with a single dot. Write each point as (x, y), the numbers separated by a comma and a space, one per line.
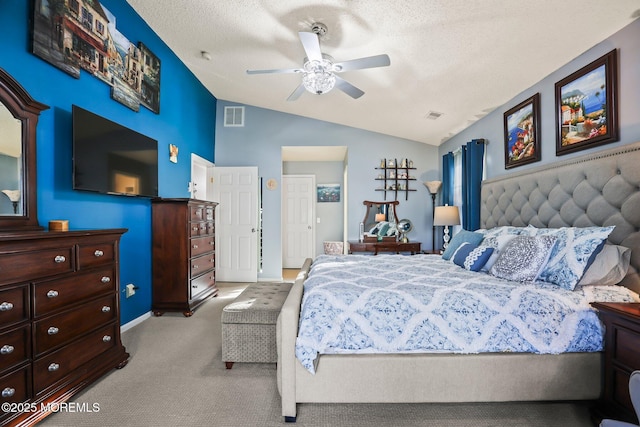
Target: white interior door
(198, 185)
(298, 213)
(236, 191)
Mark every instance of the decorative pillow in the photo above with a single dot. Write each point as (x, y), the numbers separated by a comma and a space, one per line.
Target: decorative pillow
(609, 266)
(461, 237)
(572, 253)
(507, 229)
(523, 258)
(472, 257)
(498, 244)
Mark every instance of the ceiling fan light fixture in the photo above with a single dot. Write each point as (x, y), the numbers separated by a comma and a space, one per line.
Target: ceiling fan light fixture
(318, 76)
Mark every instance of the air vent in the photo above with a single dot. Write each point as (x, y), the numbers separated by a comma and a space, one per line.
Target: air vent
(233, 116)
(433, 115)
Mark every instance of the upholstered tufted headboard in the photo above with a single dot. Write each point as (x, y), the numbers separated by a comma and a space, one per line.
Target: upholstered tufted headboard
(599, 189)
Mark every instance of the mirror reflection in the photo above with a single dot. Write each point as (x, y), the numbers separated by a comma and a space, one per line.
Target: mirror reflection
(10, 163)
(378, 212)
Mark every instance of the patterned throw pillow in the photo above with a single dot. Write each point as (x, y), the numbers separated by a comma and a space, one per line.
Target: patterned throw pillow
(461, 237)
(498, 244)
(523, 258)
(472, 257)
(575, 250)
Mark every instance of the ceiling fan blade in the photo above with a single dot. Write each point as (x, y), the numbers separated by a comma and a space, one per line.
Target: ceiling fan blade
(360, 63)
(311, 45)
(296, 93)
(275, 71)
(348, 88)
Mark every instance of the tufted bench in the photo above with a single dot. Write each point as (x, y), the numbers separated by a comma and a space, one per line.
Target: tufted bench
(249, 324)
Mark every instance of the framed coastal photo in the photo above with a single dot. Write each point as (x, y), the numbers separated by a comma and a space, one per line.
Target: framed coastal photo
(586, 106)
(328, 192)
(521, 133)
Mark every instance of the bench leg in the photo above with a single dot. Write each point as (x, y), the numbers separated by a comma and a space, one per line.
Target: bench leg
(228, 365)
(289, 419)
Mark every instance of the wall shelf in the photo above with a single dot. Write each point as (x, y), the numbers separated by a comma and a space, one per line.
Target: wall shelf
(395, 177)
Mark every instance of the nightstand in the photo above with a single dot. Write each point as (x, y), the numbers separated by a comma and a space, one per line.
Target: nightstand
(621, 357)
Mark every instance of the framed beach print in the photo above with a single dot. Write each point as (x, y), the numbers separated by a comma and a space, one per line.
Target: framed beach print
(586, 107)
(521, 133)
(328, 192)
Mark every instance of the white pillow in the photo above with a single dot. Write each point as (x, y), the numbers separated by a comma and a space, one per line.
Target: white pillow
(523, 258)
(609, 267)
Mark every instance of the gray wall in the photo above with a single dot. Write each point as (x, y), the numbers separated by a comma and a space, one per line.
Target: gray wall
(491, 127)
(259, 144)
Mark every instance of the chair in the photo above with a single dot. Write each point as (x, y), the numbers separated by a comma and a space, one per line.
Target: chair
(634, 392)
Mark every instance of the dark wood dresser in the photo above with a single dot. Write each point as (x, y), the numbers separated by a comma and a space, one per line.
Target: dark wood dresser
(621, 358)
(59, 317)
(184, 273)
(385, 246)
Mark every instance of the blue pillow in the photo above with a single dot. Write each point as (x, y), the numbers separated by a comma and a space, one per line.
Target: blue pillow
(463, 236)
(472, 257)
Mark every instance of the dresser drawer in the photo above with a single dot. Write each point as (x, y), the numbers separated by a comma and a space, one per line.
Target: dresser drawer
(53, 367)
(54, 294)
(15, 386)
(201, 245)
(198, 212)
(15, 347)
(211, 228)
(202, 283)
(201, 264)
(627, 345)
(61, 328)
(96, 254)
(22, 266)
(198, 229)
(14, 305)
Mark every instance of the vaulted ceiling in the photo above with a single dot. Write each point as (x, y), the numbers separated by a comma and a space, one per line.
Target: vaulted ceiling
(458, 58)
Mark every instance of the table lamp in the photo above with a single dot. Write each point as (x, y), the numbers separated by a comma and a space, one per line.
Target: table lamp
(446, 215)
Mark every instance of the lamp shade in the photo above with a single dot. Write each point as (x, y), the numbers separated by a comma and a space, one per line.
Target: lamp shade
(433, 186)
(446, 215)
(380, 217)
(13, 195)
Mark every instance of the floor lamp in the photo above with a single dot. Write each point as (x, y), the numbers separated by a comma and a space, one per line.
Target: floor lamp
(433, 187)
(446, 215)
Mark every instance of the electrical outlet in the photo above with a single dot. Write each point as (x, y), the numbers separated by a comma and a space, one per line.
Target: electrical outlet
(130, 290)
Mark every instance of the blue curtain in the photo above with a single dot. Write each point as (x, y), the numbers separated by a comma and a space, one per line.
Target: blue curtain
(472, 164)
(447, 179)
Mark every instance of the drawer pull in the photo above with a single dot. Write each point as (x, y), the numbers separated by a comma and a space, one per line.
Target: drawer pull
(6, 306)
(59, 259)
(195, 266)
(105, 279)
(195, 246)
(52, 294)
(53, 367)
(8, 392)
(196, 228)
(106, 309)
(7, 349)
(106, 338)
(53, 330)
(98, 253)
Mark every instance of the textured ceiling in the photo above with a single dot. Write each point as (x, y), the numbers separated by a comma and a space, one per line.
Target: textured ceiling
(460, 58)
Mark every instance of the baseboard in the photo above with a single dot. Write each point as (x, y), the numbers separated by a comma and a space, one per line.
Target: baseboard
(135, 322)
(270, 279)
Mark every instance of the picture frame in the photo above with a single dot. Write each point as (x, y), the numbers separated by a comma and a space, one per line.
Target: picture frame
(522, 133)
(328, 193)
(586, 106)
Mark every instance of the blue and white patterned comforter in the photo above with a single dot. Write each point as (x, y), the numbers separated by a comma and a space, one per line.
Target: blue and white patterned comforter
(422, 303)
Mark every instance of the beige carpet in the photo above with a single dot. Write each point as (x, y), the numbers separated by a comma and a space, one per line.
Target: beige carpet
(175, 377)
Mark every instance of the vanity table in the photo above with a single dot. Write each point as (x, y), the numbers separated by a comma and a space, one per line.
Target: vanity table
(376, 212)
(59, 290)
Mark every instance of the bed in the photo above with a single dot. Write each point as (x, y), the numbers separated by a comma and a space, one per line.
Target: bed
(596, 190)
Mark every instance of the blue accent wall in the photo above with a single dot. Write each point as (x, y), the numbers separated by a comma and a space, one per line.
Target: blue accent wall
(187, 119)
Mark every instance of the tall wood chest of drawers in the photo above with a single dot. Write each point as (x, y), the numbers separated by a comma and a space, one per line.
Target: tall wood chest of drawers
(183, 235)
(59, 317)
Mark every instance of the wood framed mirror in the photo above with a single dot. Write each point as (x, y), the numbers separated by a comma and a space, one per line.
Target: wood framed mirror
(19, 114)
(379, 211)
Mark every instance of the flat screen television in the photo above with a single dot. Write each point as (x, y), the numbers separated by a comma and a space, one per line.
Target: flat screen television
(110, 158)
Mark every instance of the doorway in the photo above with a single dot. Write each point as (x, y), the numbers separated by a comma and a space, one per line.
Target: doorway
(298, 217)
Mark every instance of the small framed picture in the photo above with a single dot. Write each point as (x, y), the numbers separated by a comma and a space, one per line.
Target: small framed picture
(586, 110)
(522, 133)
(328, 192)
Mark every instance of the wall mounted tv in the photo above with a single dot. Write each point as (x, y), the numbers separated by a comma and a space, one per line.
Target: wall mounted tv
(110, 158)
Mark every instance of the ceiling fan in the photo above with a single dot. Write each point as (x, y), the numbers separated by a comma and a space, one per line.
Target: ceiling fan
(319, 70)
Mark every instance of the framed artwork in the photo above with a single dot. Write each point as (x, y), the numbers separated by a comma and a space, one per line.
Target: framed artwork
(521, 133)
(150, 82)
(328, 192)
(586, 110)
